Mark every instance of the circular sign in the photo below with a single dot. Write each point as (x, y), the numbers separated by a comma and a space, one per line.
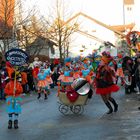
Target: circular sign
(16, 57)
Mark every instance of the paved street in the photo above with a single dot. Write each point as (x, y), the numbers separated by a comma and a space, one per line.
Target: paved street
(41, 120)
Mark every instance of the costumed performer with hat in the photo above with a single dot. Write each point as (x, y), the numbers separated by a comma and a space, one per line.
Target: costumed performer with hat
(66, 79)
(105, 82)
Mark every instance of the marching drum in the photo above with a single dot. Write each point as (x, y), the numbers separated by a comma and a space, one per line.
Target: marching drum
(81, 86)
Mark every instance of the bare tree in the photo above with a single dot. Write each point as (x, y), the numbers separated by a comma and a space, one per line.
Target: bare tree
(24, 29)
(32, 37)
(28, 32)
(10, 22)
(6, 23)
(59, 31)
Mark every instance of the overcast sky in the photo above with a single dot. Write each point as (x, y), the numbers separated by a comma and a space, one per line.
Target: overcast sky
(108, 11)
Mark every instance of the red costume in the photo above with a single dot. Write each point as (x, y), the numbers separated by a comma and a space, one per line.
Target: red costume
(9, 89)
(105, 80)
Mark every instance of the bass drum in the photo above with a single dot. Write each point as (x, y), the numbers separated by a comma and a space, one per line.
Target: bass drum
(81, 86)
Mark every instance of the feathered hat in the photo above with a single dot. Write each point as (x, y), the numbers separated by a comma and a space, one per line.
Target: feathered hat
(106, 57)
(67, 61)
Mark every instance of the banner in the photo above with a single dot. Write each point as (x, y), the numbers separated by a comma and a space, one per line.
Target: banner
(16, 57)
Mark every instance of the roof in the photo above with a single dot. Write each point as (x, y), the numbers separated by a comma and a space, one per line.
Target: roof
(123, 28)
(42, 40)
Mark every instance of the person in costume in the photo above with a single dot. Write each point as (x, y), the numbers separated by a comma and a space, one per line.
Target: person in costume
(35, 71)
(55, 75)
(9, 69)
(66, 78)
(24, 80)
(86, 75)
(76, 68)
(105, 82)
(76, 73)
(49, 80)
(13, 90)
(94, 61)
(42, 83)
(30, 79)
(119, 72)
(128, 70)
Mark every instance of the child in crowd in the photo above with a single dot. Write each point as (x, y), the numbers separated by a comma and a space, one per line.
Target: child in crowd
(24, 81)
(42, 83)
(13, 91)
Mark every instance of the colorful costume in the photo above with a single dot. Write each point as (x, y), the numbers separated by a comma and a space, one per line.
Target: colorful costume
(13, 101)
(35, 71)
(105, 82)
(42, 83)
(24, 81)
(9, 69)
(77, 73)
(47, 73)
(86, 75)
(66, 78)
(120, 70)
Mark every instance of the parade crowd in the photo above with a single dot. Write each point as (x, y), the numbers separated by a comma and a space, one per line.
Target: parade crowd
(101, 71)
